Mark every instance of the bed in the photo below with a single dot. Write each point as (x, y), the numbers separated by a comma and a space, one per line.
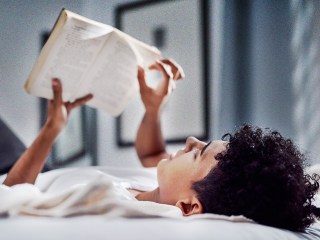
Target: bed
(96, 227)
(89, 226)
(104, 226)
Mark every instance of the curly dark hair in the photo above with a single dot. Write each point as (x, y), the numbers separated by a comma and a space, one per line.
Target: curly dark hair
(260, 176)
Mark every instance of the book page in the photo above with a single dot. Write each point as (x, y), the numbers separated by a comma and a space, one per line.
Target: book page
(146, 54)
(114, 76)
(70, 58)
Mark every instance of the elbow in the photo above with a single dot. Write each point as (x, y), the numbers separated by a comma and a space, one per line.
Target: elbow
(146, 162)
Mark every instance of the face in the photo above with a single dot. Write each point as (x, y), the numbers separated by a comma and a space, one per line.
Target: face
(177, 173)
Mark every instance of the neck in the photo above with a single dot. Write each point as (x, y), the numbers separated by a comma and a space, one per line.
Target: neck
(153, 196)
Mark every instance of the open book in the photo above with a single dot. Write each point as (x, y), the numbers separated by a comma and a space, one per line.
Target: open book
(90, 57)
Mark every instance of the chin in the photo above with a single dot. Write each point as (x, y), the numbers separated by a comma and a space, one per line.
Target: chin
(161, 166)
(162, 161)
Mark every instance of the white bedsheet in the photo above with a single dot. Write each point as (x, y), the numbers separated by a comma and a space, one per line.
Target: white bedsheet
(104, 227)
(86, 191)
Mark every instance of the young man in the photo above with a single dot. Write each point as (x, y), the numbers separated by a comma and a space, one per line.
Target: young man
(255, 173)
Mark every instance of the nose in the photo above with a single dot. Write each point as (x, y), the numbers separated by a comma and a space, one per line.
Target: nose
(191, 143)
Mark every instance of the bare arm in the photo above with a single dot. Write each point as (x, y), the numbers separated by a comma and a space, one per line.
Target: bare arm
(31, 162)
(150, 145)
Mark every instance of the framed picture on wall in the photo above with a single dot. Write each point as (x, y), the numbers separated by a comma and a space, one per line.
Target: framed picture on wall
(71, 146)
(179, 29)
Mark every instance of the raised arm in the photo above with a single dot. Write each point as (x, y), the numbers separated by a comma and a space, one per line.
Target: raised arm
(150, 144)
(31, 162)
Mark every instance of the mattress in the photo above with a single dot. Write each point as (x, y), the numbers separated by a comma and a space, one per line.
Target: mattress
(103, 227)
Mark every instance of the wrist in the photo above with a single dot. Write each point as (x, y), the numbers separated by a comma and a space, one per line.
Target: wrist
(154, 110)
(153, 113)
(52, 129)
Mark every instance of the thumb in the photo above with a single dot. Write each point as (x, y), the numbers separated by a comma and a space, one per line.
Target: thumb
(141, 78)
(57, 90)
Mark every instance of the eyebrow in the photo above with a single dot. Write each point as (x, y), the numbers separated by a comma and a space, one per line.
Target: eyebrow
(204, 148)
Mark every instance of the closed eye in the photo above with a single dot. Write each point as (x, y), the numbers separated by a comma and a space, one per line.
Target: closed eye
(205, 147)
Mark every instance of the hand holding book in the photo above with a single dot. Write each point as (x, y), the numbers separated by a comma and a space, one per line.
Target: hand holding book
(154, 98)
(59, 111)
(90, 57)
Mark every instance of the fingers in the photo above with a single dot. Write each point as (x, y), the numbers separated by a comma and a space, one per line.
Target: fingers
(164, 86)
(57, 90)
(163, 68)
(176, 69)
(57, 96)
(167, 68)
(141, 78)
(79, 102)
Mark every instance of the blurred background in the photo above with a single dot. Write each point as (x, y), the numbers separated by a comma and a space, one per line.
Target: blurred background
(263, 69)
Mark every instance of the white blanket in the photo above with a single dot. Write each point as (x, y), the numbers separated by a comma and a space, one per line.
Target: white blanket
(83, 191)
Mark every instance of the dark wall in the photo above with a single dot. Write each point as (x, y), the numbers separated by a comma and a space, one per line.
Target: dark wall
(256, 85)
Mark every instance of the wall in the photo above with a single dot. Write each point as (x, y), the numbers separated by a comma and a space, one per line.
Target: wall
(272, 66)
(306, 79)
(21, 23)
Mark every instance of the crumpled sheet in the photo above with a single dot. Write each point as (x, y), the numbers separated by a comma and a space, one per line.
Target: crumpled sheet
(89, 191)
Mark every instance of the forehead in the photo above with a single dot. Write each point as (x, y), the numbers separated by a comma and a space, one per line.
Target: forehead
(208, 159)
(215, 147)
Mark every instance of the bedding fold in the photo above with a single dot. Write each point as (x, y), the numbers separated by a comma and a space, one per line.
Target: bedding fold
(89, 191)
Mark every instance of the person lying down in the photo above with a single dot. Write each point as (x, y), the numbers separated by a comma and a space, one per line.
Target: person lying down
(253, 172)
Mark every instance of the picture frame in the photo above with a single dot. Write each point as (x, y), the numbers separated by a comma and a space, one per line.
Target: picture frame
(179, 29)
(77, 143)
(70, 146)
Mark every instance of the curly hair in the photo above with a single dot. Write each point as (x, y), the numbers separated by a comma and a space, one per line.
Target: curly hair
(260, 176)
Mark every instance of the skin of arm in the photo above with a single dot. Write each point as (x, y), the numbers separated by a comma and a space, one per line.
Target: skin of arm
(31, 162)
(150, 144)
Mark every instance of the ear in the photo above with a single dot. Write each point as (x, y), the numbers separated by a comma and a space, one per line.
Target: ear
(190, 206)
